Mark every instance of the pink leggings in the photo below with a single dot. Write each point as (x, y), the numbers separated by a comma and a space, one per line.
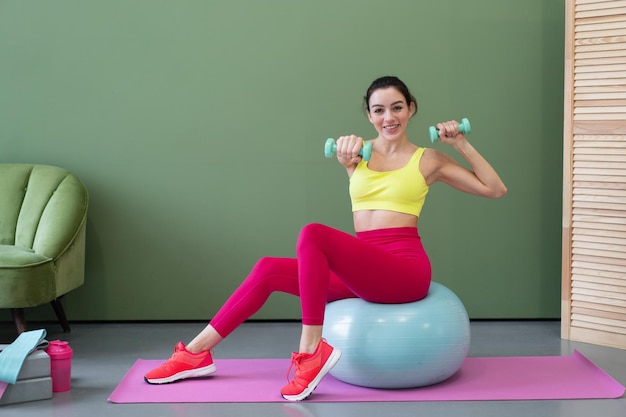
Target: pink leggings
(380, 266)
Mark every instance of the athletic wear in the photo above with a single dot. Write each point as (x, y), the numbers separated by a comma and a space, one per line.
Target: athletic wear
(310, 369)
(381, 266)
(182, 364)
(402, 190)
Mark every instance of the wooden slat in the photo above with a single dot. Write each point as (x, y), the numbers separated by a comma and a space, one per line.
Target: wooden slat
(599, 219)
(588, 150)
(591, 201)
(580, 55)
(603, 277)
(600, 5)
(617, 180)
(582, 204)
(597, 20)
(599, 276)
(599, 110)
(610, 33)
(596, 41)
(612, 243)
(599, 139)
(601, 117)
(584, 287)
(603, 325)
(600, 68)
(600, 96)
(593, 323)
(601, 12)
(613, 88)
(601, 136)
(608, 255)
(599, 290)
(581, 208)
(594, 27)
(599, 46)
(599, 308)
(604, 246)
(598, 300)
(599, 171)
(602, 18)
(601, 294)
(581, 261)
(605, 228)
(583, 283)
(598, 235)
(611, 211)
(599, 185)
(599, 262)
(594, 164)
(578, 2)
(601, 148)
(580, 142)
(603, 195)
(600, 195)
(591, 158)
(599, 75)
(598, 103)
(587, 235)
(617, 215)
(597, 82)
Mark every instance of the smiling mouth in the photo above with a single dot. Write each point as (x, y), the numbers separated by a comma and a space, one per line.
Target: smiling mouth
(391, 127)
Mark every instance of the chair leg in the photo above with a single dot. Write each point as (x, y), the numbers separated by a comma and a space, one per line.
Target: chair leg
(58, 309)
(20, 319)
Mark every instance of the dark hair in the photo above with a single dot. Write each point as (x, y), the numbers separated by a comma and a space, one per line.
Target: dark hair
(387, 82)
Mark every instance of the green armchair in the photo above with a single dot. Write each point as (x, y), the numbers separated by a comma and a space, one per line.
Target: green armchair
(43, 212)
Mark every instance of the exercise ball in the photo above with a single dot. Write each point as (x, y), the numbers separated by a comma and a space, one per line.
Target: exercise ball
(398, 345)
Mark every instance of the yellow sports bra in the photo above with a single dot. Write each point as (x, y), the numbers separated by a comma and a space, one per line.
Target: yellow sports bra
(403, 190)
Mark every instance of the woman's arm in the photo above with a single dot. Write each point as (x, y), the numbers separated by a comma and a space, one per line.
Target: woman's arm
(481, 180)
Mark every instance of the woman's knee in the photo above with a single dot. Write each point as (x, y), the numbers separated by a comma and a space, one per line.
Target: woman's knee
(274, 274)
(268, 266)
(312, 233)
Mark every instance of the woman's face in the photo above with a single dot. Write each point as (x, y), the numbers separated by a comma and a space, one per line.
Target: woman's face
(389, 113)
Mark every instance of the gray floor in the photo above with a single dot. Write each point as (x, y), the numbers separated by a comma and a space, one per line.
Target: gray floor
(104, 352)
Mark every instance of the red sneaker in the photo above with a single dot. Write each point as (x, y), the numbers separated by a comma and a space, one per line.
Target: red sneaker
(182, 364)
(310, 369)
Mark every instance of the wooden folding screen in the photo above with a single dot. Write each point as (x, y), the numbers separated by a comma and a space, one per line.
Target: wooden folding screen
(594, 182)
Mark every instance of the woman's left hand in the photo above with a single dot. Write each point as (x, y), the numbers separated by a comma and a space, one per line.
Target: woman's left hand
(449, 132)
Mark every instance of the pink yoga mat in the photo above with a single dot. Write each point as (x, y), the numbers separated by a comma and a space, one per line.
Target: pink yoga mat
(479, 379)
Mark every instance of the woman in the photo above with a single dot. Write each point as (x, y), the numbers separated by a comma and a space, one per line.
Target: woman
(388, 193)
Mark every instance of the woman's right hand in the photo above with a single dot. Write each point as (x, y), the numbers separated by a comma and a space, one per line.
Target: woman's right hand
(348, 148)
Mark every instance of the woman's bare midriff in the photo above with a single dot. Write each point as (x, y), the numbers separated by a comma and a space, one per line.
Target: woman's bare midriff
(365, 220)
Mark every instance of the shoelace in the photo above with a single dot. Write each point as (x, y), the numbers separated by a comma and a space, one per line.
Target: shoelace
(296, 358)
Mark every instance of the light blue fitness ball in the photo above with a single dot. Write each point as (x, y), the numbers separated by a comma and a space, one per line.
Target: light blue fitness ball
(398, 345)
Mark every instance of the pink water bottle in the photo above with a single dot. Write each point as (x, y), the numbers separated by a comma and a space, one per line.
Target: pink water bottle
(60, 365)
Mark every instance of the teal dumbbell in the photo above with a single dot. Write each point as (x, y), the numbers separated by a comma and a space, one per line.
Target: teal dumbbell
(330, 148)
(464, 127)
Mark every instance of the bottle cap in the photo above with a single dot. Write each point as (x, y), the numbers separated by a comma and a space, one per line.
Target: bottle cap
(59, 349)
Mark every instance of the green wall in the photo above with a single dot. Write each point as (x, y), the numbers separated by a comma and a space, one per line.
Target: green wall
(198, 128)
